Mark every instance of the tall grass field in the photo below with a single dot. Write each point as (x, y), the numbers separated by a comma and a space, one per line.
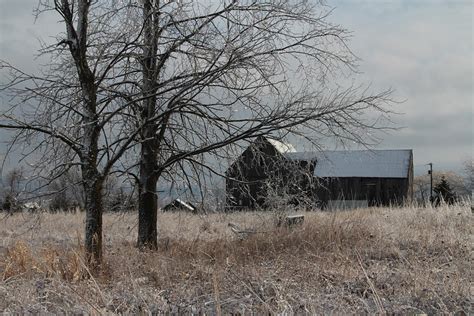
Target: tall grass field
(379, 260)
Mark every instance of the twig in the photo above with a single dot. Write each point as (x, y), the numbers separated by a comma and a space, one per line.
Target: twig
(84, 265)
(217, 294)
(250, 288)
(85, 299)
(377, 299)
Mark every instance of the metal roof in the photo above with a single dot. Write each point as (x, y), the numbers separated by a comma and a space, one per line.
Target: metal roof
(302, 155)
(358, 163)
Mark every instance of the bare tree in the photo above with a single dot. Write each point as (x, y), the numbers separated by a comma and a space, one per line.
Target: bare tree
(66, 192)
(12, 189)
(469, 174)
(181, 87)
(216, 74)
(69, 113)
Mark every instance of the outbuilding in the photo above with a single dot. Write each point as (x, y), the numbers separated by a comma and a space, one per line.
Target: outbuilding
(180, 205)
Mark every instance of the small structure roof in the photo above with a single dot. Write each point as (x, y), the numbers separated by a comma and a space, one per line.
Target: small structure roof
(180, 204)
(358, 163)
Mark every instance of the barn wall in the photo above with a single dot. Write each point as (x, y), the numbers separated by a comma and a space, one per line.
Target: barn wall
(377, 191)
(262, 173)
(410, 179)
(247, 185)
(246, 178)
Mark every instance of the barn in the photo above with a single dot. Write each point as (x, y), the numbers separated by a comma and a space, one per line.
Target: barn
(269, 171)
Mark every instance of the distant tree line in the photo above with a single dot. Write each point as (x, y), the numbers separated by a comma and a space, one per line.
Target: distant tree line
(448, 186)
(63, 194)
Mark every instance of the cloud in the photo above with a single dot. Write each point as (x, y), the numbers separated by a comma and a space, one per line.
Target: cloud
(21, 32)
(423, 49)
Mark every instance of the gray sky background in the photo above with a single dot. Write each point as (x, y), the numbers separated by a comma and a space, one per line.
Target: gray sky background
(422, 49)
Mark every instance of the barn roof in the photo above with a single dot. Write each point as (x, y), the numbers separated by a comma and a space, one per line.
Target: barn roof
(358, 163)
(281, 147)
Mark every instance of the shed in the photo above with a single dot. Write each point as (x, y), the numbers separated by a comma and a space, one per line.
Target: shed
(177, 205)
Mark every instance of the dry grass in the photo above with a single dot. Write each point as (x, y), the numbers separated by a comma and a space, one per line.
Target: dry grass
(409, 260)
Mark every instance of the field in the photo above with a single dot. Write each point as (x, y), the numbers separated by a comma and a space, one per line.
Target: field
(387, 260)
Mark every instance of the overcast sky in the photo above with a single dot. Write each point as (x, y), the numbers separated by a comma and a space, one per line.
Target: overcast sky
(422, 49)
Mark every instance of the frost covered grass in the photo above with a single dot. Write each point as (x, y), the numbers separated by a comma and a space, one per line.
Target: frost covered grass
(376, 260)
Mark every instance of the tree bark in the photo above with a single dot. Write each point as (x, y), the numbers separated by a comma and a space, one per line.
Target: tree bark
(93, 229)
(92, 179)
(148, 201)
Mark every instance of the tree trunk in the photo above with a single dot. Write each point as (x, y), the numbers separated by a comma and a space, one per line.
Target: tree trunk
(92, 179)
(148, 201)
(94, 210)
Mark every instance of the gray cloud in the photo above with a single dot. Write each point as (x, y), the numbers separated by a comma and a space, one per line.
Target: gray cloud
(20, 32)
(423, 49)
